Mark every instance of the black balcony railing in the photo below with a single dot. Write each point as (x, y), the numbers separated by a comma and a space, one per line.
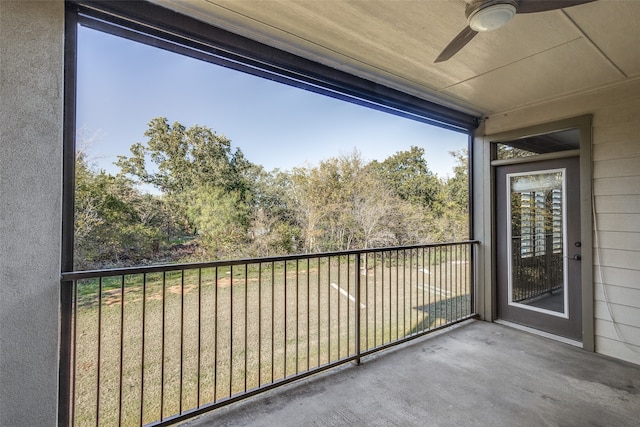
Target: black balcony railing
(155, 345)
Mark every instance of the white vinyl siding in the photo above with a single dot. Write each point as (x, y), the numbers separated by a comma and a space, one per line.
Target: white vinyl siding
(616, 185)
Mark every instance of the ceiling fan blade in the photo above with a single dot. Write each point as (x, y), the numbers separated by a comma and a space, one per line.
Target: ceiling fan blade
(533, 6)
(456, 44)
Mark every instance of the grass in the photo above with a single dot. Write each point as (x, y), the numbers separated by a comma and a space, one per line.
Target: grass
(200, 336)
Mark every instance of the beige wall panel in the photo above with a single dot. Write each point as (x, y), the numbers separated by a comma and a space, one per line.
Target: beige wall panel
(618, 350)
(607, 134)
(622, 277)
(617, 168)
(624, 333)
(623, 314)
(628, 185)
(618, 222)
(617, 258)
(619, 240)
(621, 95)
(616, 150)
(618, 204)
(618, 295)
(618, 114)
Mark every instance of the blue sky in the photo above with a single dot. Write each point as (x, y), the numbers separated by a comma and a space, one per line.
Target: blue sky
(122, 85)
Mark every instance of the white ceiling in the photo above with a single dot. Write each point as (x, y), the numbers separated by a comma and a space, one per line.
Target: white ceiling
(533, 59)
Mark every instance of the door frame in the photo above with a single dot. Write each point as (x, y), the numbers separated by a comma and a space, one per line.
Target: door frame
(488, 262)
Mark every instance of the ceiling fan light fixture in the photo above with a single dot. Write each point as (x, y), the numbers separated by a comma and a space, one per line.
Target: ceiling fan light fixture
(491, 17)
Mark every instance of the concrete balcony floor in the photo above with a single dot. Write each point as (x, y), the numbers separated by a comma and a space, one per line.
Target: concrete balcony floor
(474, 374)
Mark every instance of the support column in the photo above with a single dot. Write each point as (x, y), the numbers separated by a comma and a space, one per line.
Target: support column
(31, 122)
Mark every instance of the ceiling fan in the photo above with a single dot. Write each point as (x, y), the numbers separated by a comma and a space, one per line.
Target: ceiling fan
(489, 15)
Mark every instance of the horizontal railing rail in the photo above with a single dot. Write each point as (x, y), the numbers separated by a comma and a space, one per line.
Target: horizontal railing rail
(87, 274)
(155, 345)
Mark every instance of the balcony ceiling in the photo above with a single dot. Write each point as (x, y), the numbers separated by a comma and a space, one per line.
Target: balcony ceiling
(534, 58)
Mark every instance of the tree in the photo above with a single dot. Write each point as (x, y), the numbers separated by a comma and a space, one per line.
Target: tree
(205, 184)
(311, 201)
(408, 175)
(274, 227)
(454, 221)
(186, 158)
(221, 220)
(344, 203)
(113, 221)
(373, 207)
(235, 208)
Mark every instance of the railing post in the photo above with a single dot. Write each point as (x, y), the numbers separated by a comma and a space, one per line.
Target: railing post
(65, 398)
(357, 306)
(471, 251)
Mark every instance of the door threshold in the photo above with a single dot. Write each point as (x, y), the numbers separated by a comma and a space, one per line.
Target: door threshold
(539, 332)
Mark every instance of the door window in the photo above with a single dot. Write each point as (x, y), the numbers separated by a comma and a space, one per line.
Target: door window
(537, 278)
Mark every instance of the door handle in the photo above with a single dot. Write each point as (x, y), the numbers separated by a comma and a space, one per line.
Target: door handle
(577, 257)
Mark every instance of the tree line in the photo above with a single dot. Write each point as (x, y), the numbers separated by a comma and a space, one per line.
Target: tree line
(213, 203)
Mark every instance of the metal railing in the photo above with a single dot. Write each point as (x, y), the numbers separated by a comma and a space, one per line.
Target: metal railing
(156, 345)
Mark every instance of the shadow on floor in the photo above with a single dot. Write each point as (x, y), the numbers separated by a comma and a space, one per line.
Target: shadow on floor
(474, 374)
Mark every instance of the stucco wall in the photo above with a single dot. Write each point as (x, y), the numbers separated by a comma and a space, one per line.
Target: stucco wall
(31, 72)
(616, 187)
